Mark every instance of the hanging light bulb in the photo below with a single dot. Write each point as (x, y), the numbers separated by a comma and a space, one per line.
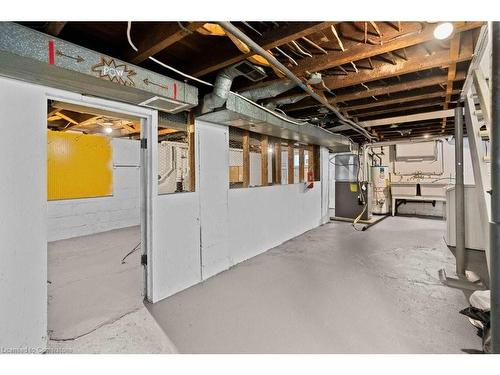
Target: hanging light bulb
(443, 30)
(108, 130)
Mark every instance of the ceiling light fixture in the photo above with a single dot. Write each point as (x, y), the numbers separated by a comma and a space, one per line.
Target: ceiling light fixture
(443, 30)
(108, 130)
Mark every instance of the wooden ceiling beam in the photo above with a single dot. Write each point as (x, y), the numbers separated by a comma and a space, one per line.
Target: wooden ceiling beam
(414, 64)
(271, 39)
(157, 37)
(400, 87)
(55, 28)
(405, 99)
(452, 70)
(396, 110)
(413, 35)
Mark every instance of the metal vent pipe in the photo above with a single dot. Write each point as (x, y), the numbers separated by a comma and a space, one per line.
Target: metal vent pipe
(222, 86)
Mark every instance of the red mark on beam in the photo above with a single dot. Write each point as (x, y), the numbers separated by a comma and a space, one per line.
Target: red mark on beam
(175, 90)
(51, 52)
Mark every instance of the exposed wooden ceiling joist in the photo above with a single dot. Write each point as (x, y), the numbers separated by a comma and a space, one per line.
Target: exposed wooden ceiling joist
(274, 38)
(414, 64)
(452, 70)
(409, 118)
(158, 37)
(413, 36)
(404, 99)
(55, 28)
(399, 87)
(398, 109)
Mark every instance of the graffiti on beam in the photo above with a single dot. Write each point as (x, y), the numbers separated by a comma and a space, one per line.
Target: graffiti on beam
(110, 70)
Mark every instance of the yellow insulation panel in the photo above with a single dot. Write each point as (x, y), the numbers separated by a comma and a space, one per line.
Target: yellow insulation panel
(78, 166)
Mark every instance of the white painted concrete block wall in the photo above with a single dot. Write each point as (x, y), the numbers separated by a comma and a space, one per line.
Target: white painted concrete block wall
(78, 217)
(421, 208)
(23, 202)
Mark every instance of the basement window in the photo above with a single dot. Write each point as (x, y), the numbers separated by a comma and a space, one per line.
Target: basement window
(176, 171)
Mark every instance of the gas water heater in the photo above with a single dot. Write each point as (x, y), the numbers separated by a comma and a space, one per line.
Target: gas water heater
(381, 202)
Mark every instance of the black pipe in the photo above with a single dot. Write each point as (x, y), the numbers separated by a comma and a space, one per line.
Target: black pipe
(495, 194)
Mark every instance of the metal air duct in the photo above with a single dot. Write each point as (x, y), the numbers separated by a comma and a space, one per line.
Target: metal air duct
(38, 58)
(269, 91)
(224, 81)
(243, 114)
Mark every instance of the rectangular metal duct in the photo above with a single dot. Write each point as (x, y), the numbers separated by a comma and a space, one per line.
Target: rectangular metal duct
(35, 57)
(242, 114)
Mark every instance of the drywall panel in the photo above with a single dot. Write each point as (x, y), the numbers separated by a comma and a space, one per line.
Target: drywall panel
(176, 257)
(78, 217)
(213, 151)
(23, 202)
(263, 217)
(176, 235)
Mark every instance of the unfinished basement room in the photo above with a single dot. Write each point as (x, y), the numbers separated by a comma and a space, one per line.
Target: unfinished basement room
(198, 186)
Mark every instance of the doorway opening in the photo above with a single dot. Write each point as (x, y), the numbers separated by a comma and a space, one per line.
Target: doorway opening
(96, 218)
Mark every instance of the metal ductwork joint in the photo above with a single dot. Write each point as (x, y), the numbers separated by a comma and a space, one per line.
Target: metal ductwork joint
(272, 104)
(269, 91)
(224, 81)
(222, 86)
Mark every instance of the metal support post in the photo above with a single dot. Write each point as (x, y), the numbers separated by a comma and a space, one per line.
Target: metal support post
(495, 195)
(459, 193)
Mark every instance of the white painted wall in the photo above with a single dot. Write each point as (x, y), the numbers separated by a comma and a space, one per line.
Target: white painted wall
(78, 217)
(214, 188)
(421, 208)
(23, 202)
(197, 235)
(193, 235)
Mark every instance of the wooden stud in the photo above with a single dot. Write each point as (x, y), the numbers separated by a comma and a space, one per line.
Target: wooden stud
(301, 164)
(291, 167)
(310, 160)
(191, 152)
(264, 152)
(317, 163)
(277, 160)
(246, 158)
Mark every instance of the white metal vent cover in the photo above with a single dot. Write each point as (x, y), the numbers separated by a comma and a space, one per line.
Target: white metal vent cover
(164, 104)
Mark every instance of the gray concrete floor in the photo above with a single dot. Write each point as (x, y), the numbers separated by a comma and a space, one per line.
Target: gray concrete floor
(331, 290)
(95, 301)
